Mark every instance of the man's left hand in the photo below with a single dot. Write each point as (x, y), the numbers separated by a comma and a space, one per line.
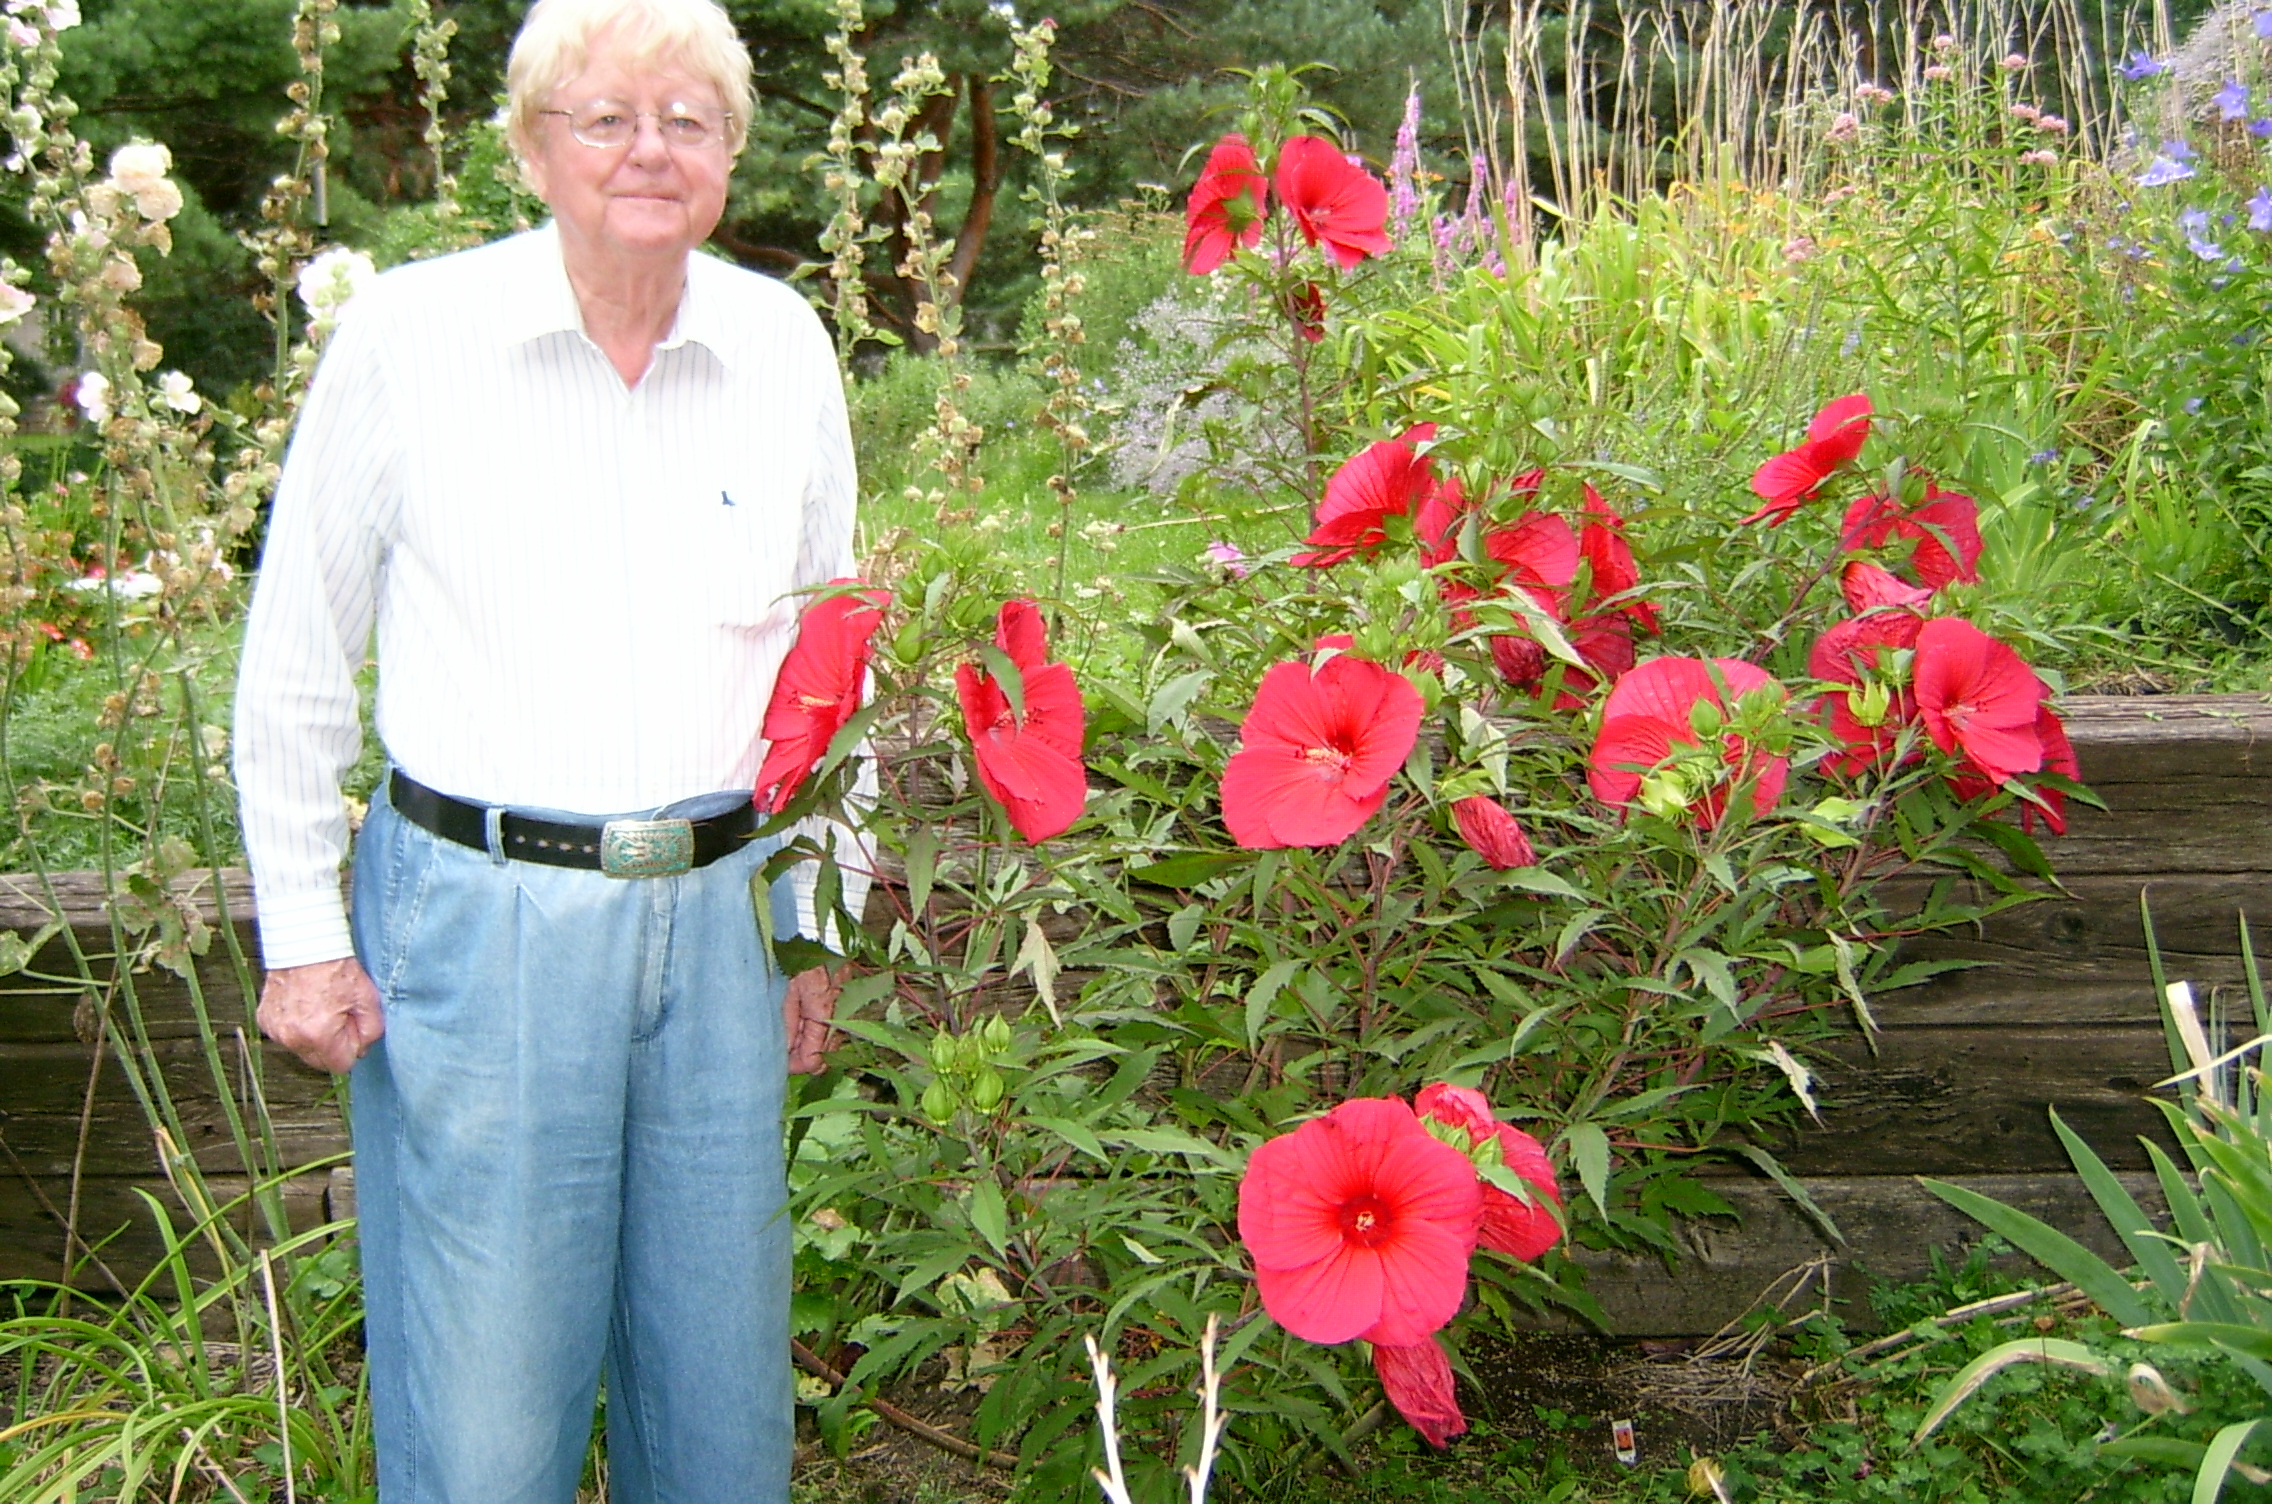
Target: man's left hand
(808, 1014)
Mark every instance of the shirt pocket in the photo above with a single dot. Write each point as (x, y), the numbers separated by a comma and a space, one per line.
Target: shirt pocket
(748, 529)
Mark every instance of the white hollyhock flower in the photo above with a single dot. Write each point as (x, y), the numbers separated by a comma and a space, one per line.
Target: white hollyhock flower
(331, 281)
(138, 164)
(174, 391)
(93, 396)
(14, 303)
(63, 14)
(161, 200)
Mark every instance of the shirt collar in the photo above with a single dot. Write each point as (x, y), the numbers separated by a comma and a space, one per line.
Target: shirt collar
(541, 301)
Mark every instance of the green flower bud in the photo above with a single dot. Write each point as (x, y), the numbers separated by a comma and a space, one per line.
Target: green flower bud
(986, 1089)
(939, 1103)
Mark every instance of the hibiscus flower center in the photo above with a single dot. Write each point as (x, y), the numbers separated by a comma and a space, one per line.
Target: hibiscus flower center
(1958, 715)
(814, 702)
(1331, 760)
(1367, 1221)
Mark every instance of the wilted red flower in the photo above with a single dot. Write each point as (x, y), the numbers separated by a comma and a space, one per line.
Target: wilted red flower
(1417, 1378)
(1519, 1229)
(1032, 766)
(1945, 525)
(1867, 587)
(1334, 202)
(1384, 480)
(817, 689)
(1846, 654)
(1834, 438)
(1977, 697)
(1647, 717)
(1305, 307)
(1317, 751)
(1491, 833)
(1226, 207)
(1360, 1224)
(1610, 560)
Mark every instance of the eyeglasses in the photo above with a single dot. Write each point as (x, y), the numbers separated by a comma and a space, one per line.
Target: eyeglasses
(605, 124)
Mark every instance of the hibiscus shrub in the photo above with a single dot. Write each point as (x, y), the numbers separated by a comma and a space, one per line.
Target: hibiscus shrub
(1502, 785)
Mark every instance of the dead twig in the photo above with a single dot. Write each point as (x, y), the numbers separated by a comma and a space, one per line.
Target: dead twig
(945, 1441)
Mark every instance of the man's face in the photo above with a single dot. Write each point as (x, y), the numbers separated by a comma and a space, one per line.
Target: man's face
(642, 199)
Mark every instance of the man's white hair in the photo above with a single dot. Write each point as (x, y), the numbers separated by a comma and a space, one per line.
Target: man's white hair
(695, 37)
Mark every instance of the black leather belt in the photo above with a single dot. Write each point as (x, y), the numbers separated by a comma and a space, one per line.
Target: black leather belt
(619, 848)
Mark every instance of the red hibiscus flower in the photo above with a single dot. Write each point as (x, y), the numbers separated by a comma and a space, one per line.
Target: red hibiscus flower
(1977, 698)
(1945, 525)
(1610, 560)
(817, 690)
(1317, 751)
(1360, 1224)
(1334, 202)
(2058, 757)
(1604, 643)
(1539, 554)
(1647, 719)
(1491, 833)
(1833, 439)
(1848, 653)
(1519, 1229)
(1417, 1378)
(1436, 523)
(1032, 766)
(1384, 480)
(1867, 587)
(1226, 207)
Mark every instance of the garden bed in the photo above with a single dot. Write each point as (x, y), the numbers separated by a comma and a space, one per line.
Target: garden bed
(2058, 1010)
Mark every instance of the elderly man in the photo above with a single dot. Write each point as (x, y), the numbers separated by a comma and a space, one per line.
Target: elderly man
(576, 477)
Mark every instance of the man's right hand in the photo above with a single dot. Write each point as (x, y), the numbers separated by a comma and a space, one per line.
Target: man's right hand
(328, 1014)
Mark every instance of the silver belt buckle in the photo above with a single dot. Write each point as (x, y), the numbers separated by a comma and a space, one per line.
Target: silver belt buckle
(646, 848)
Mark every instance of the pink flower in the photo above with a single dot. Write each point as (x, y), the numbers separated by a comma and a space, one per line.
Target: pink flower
(1335, 203)
(1491, 833)
(1978, 697)
(1649, 716)
(1360, 1224)
(1031, 764)
(1833, 439)
(1417, 1378)
(1945, 525)
(1385, 480)
(1226, 207)
(817, 689)
(1317, 752)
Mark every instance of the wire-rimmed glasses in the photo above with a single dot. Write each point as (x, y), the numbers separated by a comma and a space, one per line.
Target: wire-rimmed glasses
(605, 124)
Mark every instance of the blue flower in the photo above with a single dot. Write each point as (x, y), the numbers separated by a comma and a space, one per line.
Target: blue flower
(2261, 127)
(2161, 172)
(2260, 207)
(2193, 404)
(2141, 65)
(2179, 150)
(2264, 24)
(2231, 100)
(2044, 457)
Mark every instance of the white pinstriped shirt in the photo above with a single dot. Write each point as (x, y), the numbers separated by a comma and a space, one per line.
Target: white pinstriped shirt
(582, 591)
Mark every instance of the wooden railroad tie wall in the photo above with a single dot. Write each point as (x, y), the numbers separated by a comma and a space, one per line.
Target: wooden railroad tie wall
(2059, 1012)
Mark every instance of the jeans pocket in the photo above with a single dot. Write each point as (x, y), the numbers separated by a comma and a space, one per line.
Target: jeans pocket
(394, 865)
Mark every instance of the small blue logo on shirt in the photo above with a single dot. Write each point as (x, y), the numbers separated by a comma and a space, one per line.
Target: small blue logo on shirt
(728, 500)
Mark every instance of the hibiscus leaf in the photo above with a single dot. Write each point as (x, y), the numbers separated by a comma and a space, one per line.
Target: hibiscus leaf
(2018, 845)
(1773, 1169)
(988, 1214)
(1581, 924)
(1187, 869)
(848, 738)
(1260, 996)
(1075, 1134)
(1539, 880)
(1589, 1153)
(922, 864)
(1646, 479)
(1038, 957)
(1007, 677)
(1173, 698)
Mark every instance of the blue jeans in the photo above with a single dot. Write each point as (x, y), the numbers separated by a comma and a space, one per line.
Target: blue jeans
(568, 1152)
